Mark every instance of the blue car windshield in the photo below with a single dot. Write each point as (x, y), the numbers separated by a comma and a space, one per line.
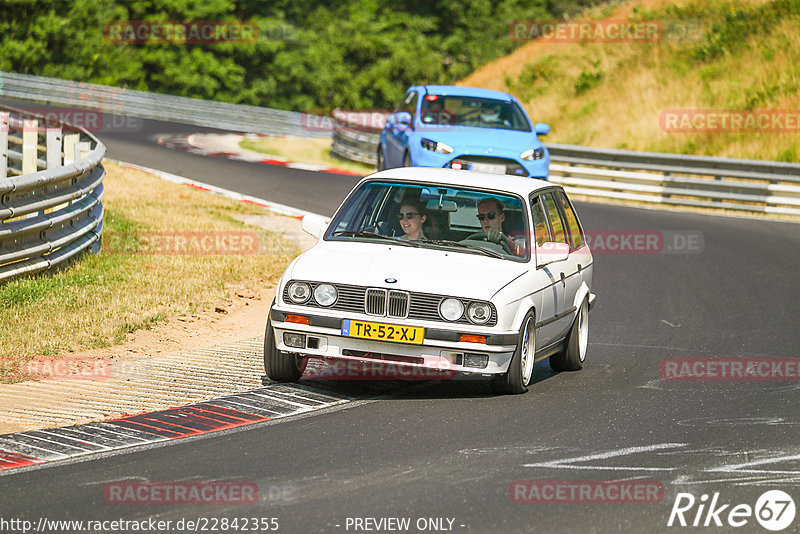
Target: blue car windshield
(473, 111)
(430, 216)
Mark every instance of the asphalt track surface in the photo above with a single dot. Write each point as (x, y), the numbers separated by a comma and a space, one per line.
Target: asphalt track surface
(451, 450)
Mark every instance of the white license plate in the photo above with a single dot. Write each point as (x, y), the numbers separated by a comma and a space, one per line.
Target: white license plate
(489, 167)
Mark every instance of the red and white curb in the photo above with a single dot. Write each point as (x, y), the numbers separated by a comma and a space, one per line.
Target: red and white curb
(186, 143)
(35, 447)
(274, 207)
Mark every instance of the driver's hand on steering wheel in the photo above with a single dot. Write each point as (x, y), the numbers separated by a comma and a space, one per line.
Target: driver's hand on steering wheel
(496, 236)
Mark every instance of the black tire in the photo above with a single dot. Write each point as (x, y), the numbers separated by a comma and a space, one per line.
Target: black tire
(407, 160)
(520, 371)
(281, 366)
(381, 164)
(574, 353)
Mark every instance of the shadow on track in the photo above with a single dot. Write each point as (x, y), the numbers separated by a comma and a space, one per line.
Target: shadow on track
(420, 389)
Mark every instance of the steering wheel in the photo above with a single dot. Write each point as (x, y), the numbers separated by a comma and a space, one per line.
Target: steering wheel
(483, 236)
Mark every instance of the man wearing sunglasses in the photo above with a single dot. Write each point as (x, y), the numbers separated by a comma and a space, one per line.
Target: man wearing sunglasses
(491, 217)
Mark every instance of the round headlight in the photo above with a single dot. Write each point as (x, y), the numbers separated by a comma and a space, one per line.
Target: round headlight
(479, 312)
(451, 309)
(299, 292)
(325, 294)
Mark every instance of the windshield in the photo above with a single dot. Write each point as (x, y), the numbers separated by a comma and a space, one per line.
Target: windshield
(473, 111)
(428, 216)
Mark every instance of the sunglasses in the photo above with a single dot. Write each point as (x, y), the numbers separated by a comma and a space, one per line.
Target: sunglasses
(407, 215)
(491, 215)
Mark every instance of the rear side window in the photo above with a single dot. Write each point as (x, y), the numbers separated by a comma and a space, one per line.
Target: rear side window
(539, 222)
(576, 238)
(557, 226)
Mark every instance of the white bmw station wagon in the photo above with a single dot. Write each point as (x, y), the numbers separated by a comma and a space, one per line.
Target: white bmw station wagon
(437, 269)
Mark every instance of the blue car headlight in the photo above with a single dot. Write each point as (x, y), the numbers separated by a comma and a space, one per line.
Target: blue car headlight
(533, 154)
(434, 146)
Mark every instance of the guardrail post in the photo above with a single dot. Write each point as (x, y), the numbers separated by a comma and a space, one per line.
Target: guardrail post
(667, 176)
(53, 148)
(5, 118)
(30, 131)
(82, 150)
(70, 148)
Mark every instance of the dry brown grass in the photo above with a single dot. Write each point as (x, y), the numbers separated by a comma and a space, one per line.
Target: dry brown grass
(640, 80)
(98, 300)
(316, 151)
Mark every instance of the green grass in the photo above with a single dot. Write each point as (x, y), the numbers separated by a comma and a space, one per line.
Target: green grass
(96, 300)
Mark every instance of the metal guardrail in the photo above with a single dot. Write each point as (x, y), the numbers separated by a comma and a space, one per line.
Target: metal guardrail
(131, 103)
(675, 179)
(742, 185)
(358, 142)
(50, 194)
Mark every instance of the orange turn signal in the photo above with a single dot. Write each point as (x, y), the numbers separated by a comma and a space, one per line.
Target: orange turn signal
(471, 338)
(299, 319)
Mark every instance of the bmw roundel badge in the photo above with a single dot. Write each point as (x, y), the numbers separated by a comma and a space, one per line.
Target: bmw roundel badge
(390, 280)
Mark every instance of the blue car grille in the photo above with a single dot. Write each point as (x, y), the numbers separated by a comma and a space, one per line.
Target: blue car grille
(391, 303)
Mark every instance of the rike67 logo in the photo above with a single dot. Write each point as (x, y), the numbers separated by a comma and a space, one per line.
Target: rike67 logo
(774, 510)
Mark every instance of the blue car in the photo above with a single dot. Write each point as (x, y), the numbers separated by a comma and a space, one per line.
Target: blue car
(463, 128)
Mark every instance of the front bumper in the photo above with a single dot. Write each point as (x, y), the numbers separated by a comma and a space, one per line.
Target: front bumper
(440, 351)
(516, 166)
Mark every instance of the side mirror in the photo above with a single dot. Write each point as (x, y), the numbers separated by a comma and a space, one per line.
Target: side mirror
(541, 128)
(403, 117)
(551, 252)
(314, 225)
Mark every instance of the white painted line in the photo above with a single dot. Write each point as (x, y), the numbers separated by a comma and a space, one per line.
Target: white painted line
(73, 438)
(566, 463)
(9, 445)
(57, 443)
(286, 401)
(740, 468)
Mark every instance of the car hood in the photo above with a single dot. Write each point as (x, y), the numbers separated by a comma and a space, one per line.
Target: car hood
(442, 272)
(471, 139)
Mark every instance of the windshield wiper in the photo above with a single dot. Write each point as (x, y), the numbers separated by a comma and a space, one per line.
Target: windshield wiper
(354, 233)
(482, 250)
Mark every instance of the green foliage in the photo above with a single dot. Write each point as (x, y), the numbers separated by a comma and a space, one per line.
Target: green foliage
(589, 79)
(737, 23)
(309, 55)
(789, 155)
(535, 78)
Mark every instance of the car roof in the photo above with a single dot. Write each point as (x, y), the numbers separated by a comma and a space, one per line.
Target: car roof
(466, 91)
(520, 185)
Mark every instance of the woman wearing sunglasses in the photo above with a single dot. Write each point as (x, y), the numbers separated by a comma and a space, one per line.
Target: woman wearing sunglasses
(412, 216)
